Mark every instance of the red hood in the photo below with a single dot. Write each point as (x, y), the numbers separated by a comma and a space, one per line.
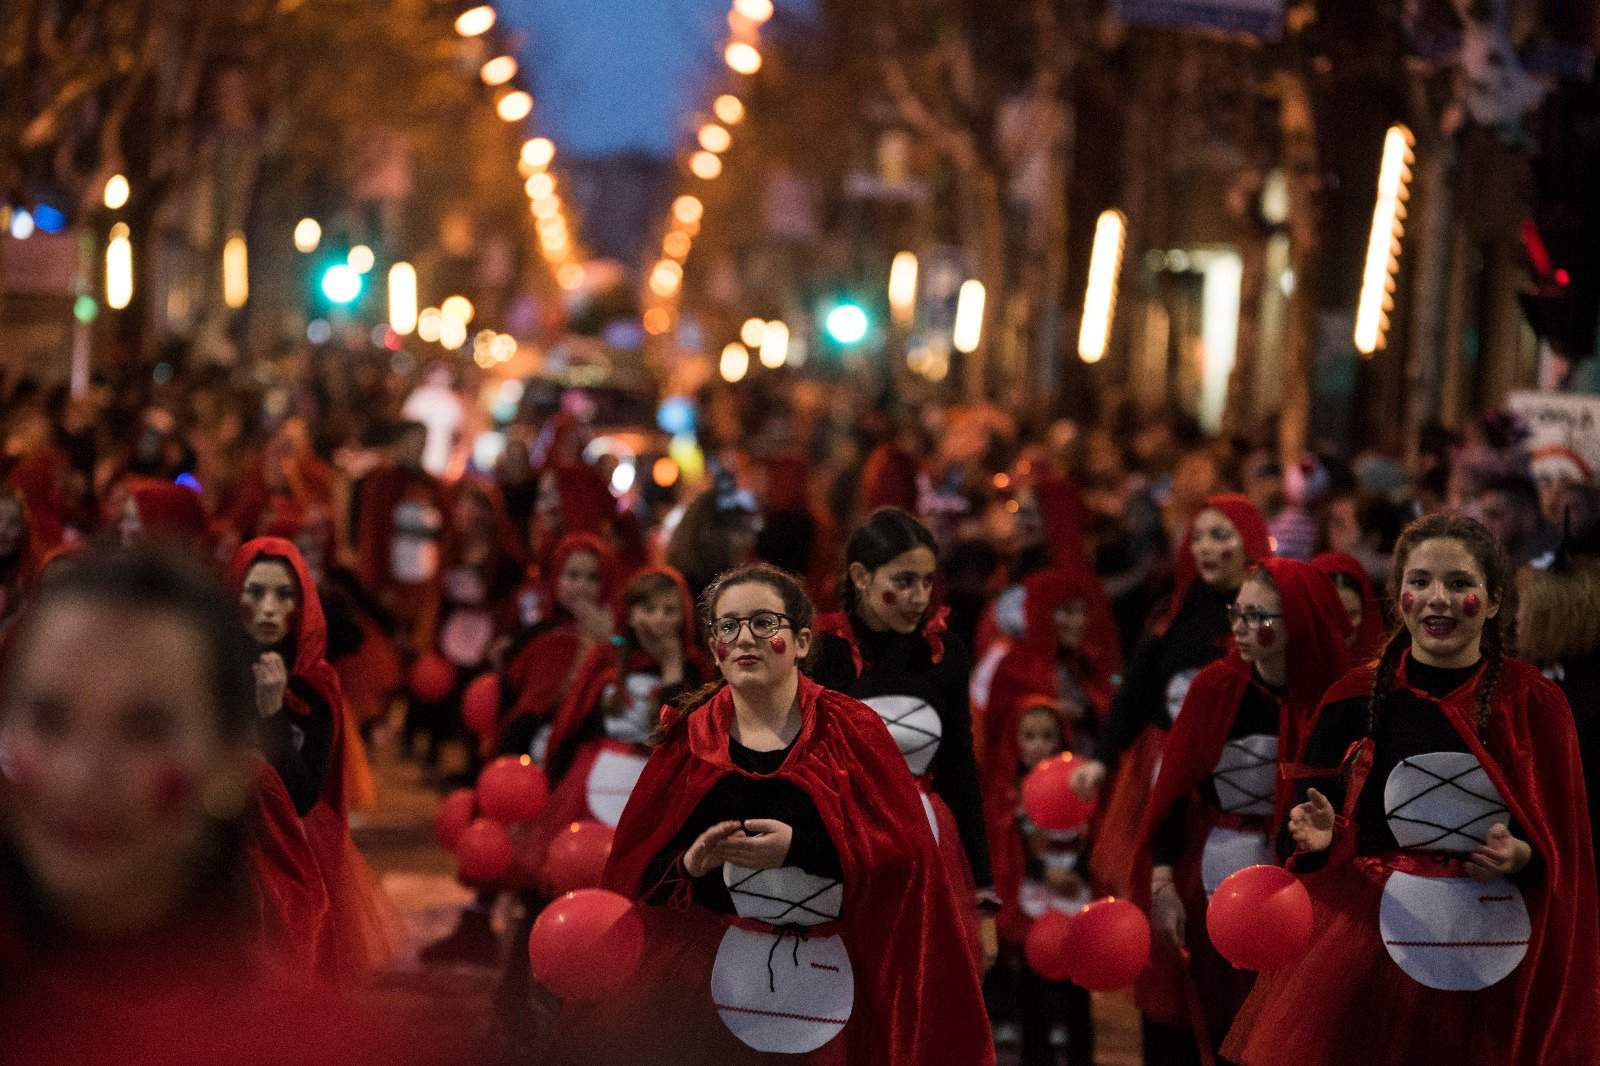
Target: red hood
(170, 512)
(1252, 530)
(309, 627)
(1372, 632)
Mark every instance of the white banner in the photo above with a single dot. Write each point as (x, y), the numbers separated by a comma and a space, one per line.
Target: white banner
(1564, 428)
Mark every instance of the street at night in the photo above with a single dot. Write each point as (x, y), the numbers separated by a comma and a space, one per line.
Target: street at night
(734, 532)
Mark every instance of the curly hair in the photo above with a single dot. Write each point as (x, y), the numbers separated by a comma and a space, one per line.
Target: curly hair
(1491, 558)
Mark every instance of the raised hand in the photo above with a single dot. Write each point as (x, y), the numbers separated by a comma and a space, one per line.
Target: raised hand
(1311, 823)
(763, 845)
(272, 677)
(1501, 855)
(1167, 914)
(1087, 779)
(705, 854)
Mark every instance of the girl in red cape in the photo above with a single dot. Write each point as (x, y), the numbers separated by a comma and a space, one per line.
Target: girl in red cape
(1212, 809)
(1069, 652)
(891, 649)
(303, 723)
(165, 513)
(1370, 626)
(1442, 832)
(797, 907)
(1225, 538)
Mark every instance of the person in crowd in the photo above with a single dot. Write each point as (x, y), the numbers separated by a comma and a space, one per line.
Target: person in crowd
(1441, 828)
(775, 813)
(1508, 506)
(1211, 810)
(890, 648)
(1225, 539)
(1369, 623)
(399, 523)
(1037, 871)
(164, 513)
(1365, 526)
(718, 531)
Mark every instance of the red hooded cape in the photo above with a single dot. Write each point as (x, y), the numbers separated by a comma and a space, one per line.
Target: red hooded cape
(917, 996)
(1372, 631)
(357, 937)
(1303, 1014)
(1252, 530)
(543, 671)
(171, 513)
(1029, 669)
(1007, 849)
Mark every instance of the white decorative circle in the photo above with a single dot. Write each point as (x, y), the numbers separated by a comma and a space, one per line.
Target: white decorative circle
(782, 993)
(610, 783)
(1454, 934)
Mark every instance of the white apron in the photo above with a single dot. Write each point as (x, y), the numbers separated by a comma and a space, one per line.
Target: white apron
(780, 991)
(1454, 934)
(1244, 779)
(414, 545)
(610, 782)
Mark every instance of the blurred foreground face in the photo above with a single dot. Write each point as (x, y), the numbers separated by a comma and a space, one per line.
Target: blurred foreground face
(108, 740)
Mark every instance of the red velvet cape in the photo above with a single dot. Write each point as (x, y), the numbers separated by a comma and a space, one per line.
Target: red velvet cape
(918, 1001)
(1530, 753)
(1373, 631)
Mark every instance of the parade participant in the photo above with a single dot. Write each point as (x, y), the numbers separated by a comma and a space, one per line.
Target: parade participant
(890, 648)
(1036, 872)
(398, 522)
(303, 725)
(1369, 626)
(1212, 806)
(1069, 652)
(797, 906)
(718, 532)
(1224, 539)
(164, 513)
(1442, 831)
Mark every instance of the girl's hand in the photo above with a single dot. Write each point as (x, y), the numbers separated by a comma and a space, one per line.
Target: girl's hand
(988, 940)
(705, 854)
(272, 677)
(594, 621)
(1311, 823)
(1167, 914)
(763, 845)
(1501, 855)
(1087, 779)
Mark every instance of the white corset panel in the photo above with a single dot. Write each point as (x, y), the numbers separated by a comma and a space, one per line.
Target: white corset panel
(1246, 775)
(1178, 690)
(610, 783)
(782, 992)
(1454, 934)
(915, 726)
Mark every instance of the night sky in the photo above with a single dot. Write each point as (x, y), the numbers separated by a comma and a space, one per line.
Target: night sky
(614, 75)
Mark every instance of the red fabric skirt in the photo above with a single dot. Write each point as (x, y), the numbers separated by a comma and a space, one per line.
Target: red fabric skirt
(959, 868)
(360, 932)
(1220, 986)
(291, 896)
(1116, 831)
(666, 1013)
(1346, 1003)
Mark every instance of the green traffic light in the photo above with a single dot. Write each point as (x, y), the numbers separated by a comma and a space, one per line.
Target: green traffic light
(846, 324)
(341, 283)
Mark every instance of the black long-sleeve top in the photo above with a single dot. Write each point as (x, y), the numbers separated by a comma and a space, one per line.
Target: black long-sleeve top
(300, 747)
(1406, 725)
(1257, 715)
(736, 797)
(902, 665)
(1197, 638)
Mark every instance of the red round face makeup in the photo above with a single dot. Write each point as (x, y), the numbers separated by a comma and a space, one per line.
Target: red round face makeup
(778, 645)
(721, 651)
(889, 598)
(1407, 602)
(1267, 635)
(1471, 606)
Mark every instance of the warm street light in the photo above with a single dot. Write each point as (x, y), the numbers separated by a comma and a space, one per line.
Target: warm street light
(774, 345)
(1100, 294)
(514, 106)
(666, 278)
(742, 58)
(729, 109)
(428, 324)
(1383, 244)
(117, 192)
(705, 166)
(361, 259)
(547, 207)
(476, 21)
(676, 245)
(119, 268)
(715, 139)
(752, 331)
(498, 71)
(452, 332)
(235, 272)
(903, 287)
(757, 11)
(969, 316)
(657, 321)
(570, 276)
(307, 235)
(403, 298)
(540, 187)
(538, 153)
(457, 307)
(735, 362)
(688, 209)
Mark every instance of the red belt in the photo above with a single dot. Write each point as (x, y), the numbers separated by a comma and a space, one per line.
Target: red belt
(1243, 823)
(1440, 864)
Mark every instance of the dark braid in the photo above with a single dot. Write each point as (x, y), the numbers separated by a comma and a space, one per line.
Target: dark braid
(1491, 559)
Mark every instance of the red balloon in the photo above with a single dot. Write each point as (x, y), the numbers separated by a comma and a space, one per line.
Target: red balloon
(1049, 799)
(1046, 946)
(455, 814)
(483, 852)
(511, 789)
(577, 857)
(480, 704)
(1109, 945)
(432, 678)
(1260, 918)
(587, 944)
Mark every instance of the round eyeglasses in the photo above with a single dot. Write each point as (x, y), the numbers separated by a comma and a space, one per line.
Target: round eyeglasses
(763, 626)
(1252, 617)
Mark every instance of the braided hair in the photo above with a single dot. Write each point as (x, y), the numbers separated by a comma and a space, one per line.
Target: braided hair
(1491, 558)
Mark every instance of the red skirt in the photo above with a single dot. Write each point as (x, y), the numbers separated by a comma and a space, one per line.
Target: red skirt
(360, 931)
(1346, 1002)
(1116, 831)
(291, 897)
(959, 869)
